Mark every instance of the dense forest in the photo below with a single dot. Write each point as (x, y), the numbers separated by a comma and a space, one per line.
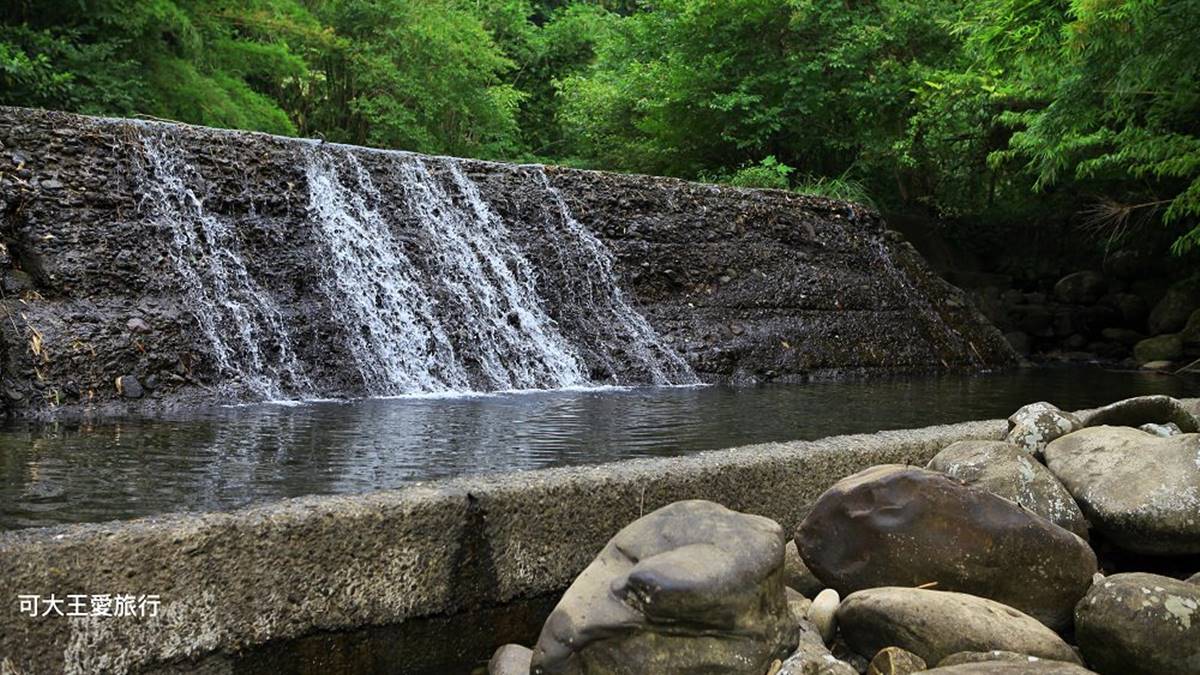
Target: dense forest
(969, 113)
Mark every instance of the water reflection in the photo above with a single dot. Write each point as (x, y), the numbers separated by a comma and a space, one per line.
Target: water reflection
(230, 457)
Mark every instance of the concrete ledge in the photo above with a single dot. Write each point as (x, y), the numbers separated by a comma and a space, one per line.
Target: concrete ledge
(234, 580)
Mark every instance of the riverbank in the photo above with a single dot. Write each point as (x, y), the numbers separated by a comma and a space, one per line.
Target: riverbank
(232, 581)
(229, 581)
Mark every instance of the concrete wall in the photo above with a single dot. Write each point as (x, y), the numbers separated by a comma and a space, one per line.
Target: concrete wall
(229, 581)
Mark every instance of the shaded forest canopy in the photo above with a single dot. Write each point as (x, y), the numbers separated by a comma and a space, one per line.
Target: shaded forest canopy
(969, 112)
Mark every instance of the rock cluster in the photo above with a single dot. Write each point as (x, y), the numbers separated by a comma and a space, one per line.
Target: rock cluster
(1131, 316)
(979, 562)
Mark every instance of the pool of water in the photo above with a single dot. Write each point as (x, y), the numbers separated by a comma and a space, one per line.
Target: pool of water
(223, 458)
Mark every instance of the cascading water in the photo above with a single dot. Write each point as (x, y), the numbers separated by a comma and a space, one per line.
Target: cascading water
(376, 293)
(425, 287)
(581, 255)
(489, 285)
(242, 324)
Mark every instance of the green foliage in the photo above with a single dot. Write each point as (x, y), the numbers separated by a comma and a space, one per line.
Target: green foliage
(975, 111)
(768, 173)
(838, 187)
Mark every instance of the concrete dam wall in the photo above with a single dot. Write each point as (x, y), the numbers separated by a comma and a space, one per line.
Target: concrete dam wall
(148, 264)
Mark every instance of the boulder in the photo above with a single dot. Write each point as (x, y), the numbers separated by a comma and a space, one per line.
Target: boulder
(812, 657)
(510, 660)
(1007, 470)
(895, 525)
(1194, 579)
(1191, 330)
(690, 588)
(1139, 623)
(936, 624)
(1131, 307)
(981, 657)
(1080, 288)
(1141, 491)
(895, 661)
(1172, 312)
(1027, 667)
(1123, 336)
(1034, 425)
(1139, 410)
(1161, 348)
(796, 574)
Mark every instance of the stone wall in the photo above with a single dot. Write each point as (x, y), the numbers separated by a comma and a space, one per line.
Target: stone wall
(745, 285)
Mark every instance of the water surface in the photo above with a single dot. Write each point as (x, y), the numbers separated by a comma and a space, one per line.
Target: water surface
(230, 457)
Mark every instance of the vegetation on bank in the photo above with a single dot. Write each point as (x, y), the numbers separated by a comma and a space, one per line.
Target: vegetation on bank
(984, 111)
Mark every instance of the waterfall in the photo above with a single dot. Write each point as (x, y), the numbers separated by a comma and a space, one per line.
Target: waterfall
(491, 285)
(398, 344)
(241, 322)
(418, 284)
(581, 255)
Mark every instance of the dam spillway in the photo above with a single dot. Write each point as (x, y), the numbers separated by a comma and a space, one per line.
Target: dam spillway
(216, 266)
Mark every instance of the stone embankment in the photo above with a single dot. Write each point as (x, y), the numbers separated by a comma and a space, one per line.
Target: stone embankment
(147, 264)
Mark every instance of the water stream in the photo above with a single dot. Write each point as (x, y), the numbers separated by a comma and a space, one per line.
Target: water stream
(229, 457)
(430, 290)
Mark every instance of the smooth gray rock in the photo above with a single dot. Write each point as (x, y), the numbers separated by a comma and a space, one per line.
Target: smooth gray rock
(894, 525)
(936, 624)
(1140, 624)
(822, 612)
(1194, 579)
(690, 588)
(1172, 312)
(1159, 348)
(1007, 470)
(1139, 410)
(1034, 425)
(797, 575)
(1080, 287)
(981, 657)
(1027, 667)
(1141, 491)
(510, 660)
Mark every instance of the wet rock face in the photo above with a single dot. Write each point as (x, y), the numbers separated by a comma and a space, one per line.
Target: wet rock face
(1140, 490)
(1036, 424)
(1010, 472)
(742, 284)
(690, 588)
(894, 525)
(1139, 623)
(936, 624)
